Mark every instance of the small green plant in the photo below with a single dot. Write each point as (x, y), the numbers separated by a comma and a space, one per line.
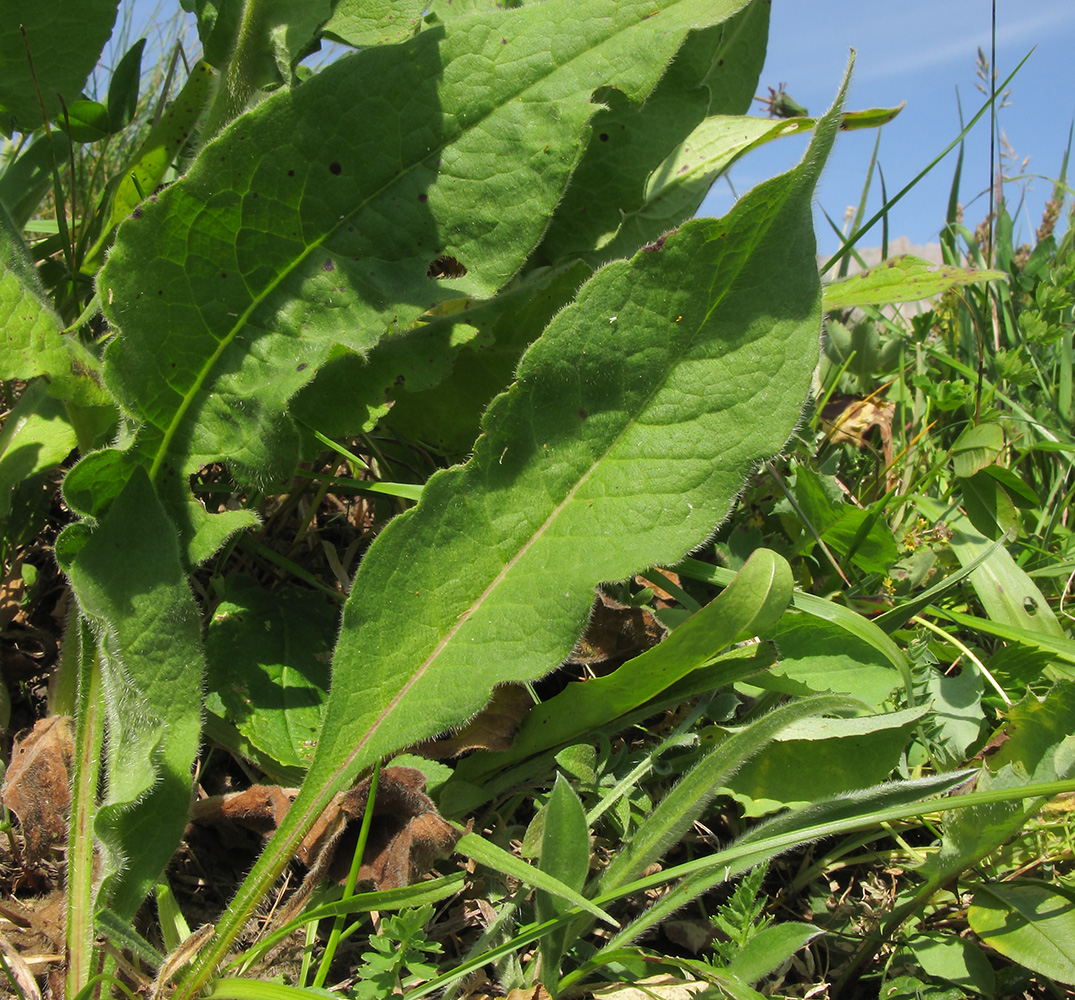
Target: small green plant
(399, 957)
(742, 917)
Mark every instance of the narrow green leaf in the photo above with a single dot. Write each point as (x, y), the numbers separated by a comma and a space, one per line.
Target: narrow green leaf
(1030, 924)
(123, 87)
(142, 175)
(752, 603)
(565, 853)
(1060, 647)
(685, 803)
(565, 844)
(902, 279)
(132, 588)
(488, 854)
(770, 948)
(119, 931)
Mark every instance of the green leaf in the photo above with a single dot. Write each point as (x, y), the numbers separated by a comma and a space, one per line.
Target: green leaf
(901, 279)
(64, 41)
(715, 72)
(1022, 493)
(675, 813)
(123, 87)
(1031, 924)
(752, 603)
(770, 948)
(864, 537)
(671, 355)
(853, 624)
(820, 758)
(989, 507)
(268, 660)
(132, 588)
(85, 121)
(957, 718)
(978, 446)
(565, 853)
(316, 222)
(1007, 594)
(33, 343)
(36, 436)
(1035, 728)
(143, 173)
(818, 655)
(448, 416)
(472, 846)
(373, 22)
(951, 958)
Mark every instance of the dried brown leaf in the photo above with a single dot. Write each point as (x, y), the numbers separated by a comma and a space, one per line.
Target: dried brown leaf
(493, 728)
(37, 786)
(616, 632)
(406, 833)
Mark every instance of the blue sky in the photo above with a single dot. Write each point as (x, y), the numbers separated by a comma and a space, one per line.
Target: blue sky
(921, 52)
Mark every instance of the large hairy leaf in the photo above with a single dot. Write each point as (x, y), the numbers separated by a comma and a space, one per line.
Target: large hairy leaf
(63, 40)
(132, 589)
(315, 220)
(634, 419)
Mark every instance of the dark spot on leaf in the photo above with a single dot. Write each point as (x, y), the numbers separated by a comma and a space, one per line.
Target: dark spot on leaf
(137, 213)
(223, 274)
(658, 245)
(291, 173)
(446, 267)
(582, 414)
(400, 379)
(301, 367)
(328, 265)
(503, 41)
(720, 62)
(173, 364)
(255, 194)
(423, 197)
(160, 292)
(603, 137)
(335, 168)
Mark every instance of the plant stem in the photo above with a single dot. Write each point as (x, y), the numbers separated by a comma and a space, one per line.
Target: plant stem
(89, 736)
